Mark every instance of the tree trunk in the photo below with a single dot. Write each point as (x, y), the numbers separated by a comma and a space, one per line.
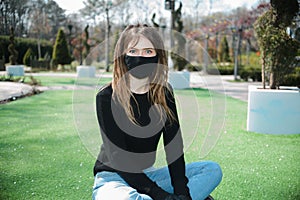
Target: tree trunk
(263, 78)
(272, 80)
(39, 48)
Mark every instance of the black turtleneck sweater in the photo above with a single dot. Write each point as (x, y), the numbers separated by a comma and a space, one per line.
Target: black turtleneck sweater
(129, 148)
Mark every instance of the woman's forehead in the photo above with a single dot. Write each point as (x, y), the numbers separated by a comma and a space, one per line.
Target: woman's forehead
(140, 43)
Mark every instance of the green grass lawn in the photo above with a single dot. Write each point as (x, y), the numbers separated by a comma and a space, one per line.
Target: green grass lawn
(55, 81)
(43, 157)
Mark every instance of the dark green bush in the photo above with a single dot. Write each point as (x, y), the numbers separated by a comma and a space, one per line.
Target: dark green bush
(221, 69)
(193, 68)
(253, 72)
(291, 80)
(22, 45)
(40, 64)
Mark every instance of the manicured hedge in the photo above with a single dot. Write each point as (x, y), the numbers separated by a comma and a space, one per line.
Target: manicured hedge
(221, 69)
(292, 79)
(253, 72)
(22, 45)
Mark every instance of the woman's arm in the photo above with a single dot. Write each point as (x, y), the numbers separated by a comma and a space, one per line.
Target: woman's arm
(116, 151)
(174, 149)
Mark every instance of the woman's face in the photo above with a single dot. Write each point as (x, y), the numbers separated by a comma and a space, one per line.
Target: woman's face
(142, 48)
(141, 58)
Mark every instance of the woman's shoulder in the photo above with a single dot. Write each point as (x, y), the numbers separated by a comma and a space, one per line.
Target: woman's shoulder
(169, 90)
(105, 91)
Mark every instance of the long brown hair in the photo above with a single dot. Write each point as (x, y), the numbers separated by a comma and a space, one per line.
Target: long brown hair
(158, 83)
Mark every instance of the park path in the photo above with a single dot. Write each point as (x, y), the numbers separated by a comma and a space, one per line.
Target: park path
(222, 84)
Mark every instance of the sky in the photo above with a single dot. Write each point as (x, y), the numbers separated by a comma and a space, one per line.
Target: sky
(70, 6)
(75, 5)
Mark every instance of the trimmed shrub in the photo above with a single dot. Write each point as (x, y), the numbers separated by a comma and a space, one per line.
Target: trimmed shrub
(221, 69)
(61, 54)
(29, 55)
(291, 80)
(11, 48)
(253, 72)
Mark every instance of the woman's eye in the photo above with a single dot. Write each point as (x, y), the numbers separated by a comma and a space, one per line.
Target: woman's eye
(149, 51)
(132, 51)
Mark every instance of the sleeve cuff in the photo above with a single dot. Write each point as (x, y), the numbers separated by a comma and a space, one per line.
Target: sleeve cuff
(181, 189)
(157, 193)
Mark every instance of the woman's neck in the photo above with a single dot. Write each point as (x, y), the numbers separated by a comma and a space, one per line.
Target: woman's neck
(139, 86)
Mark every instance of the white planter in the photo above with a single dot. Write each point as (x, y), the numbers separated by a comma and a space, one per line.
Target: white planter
(15, 70)
(85, 71)
(179, 79)
(274, 111)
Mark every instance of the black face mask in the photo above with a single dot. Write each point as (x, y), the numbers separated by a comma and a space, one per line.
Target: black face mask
(141, 67)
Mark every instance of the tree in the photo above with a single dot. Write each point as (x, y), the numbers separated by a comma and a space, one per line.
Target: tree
(77, 48)
(223, 52)
(87, 46)
(39, 27)
(13, 14)
(11, 48)
(178, 57)
(56, 16)
(61, 54)
(45, 18)
(31, 18)
(178, 53)
(93, 8)
(278, 49)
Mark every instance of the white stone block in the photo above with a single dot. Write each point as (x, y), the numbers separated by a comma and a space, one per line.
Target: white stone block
(179, 79)
(15, 70)
(85, 71)
(274, 111)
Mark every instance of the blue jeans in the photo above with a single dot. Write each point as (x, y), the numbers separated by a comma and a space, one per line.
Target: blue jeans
(203, 177)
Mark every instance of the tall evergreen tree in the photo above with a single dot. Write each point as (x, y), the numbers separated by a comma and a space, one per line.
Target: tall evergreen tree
(61, 54)
(223, 52)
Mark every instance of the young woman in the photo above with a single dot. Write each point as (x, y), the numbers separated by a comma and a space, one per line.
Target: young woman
(134, 111)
